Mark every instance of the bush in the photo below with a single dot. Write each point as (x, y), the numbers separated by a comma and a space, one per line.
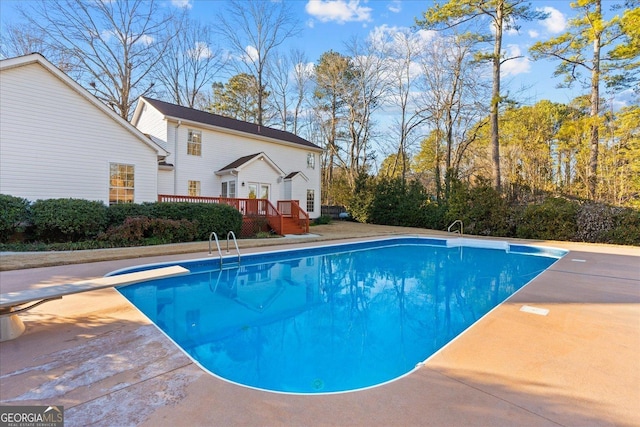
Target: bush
(68, 220)
(323, 219)
(482, 209)
(594, 221)
(209, 217)
(359, 204)
(553, 219)
(626, 229)
(117, 214)
(138, 230)
(14, 214)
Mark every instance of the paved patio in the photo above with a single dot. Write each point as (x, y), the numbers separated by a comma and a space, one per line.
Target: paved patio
(100, 358)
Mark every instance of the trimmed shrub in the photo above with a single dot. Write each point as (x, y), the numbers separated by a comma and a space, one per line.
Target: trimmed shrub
(117, 214)
(68, 220)
(138, 230)
(209, 217)
(14, 214)
(553, 219)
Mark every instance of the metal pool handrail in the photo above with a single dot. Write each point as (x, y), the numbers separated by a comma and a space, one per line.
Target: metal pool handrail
(461, 231)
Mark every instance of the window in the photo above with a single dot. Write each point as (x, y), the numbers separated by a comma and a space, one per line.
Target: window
(194, 188)
(121, 178)
(311, 205)
(229, 189)
(194, 143)
(311, 161)
(264, 191)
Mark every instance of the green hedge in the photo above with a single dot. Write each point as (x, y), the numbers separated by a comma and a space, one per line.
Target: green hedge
(68, 220)
(553, 219)
(14, 215)
(209, 217)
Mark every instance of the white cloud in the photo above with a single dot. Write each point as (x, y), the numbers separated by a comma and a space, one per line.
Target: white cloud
(520, 65)
(533, 34)
(183, 4)
(555, 22)
(251, 54)
(200, 51)
(340, 11)
(395, 6)
(145, 40)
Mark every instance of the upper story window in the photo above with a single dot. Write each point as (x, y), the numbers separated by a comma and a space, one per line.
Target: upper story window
(194, 188)
(121, 183)
(194, 143)
(311, 160)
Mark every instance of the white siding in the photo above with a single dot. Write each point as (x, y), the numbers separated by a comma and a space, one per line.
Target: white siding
(152, 122)
(55, 144)
(219, 148)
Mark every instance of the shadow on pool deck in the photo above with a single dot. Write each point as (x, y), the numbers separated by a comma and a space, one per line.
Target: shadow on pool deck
(100, 358)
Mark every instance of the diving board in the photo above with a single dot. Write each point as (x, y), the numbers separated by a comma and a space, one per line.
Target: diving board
(10, 303)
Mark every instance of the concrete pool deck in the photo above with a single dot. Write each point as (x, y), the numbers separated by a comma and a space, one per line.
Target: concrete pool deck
(101, 359)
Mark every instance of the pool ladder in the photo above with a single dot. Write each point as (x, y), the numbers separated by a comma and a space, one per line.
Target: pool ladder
(213, 236)
(460, 230)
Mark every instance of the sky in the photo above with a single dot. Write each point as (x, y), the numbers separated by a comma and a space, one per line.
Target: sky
(329, 24)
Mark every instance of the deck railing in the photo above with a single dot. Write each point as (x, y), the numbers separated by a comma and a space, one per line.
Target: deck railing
(291, 208)
(253, 207)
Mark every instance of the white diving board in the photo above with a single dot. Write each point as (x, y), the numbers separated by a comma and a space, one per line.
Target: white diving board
(10, 303)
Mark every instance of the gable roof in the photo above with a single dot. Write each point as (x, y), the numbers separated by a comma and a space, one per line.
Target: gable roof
(243, 161)
(36, 58)
(179, 112)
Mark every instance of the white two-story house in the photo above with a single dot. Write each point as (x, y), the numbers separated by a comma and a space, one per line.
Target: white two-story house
(57, 140)
(216, 156)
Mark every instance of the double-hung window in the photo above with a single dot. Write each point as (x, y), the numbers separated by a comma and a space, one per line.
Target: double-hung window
(194, 143)
(121, 183)
(194, 188)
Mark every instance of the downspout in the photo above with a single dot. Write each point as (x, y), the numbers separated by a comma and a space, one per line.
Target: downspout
(175, 159)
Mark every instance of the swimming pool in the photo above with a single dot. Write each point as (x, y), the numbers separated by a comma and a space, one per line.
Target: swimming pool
(334, 318)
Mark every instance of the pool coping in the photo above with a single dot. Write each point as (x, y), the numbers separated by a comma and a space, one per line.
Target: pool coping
(512, 367)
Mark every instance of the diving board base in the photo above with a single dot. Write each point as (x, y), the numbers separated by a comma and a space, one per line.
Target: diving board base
(11, 327)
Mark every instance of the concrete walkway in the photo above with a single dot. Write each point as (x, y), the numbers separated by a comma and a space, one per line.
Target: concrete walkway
(578, 366)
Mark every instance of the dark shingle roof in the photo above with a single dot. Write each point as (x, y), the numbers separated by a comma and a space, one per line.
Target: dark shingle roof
(239, 162)
(185, 113)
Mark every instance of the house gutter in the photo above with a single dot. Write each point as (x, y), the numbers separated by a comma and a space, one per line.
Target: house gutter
(175, 160)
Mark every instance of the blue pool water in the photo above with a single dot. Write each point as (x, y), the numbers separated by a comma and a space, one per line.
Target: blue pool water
(337, 318)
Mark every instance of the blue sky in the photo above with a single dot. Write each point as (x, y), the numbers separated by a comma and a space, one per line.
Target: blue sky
(328, 24)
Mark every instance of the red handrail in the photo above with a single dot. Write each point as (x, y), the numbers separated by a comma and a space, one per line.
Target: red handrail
(291, 208)
(252, 207)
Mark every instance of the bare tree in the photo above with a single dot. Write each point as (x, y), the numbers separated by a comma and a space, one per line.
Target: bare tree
(403, 49)
(19, 39)
(254, 29)
(365, 97)
(190, 63)
(452, 95)
(289, 79)
(114, 45)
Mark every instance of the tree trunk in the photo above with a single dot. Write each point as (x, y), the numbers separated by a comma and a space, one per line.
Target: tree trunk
(495, 98)
(595, 107)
